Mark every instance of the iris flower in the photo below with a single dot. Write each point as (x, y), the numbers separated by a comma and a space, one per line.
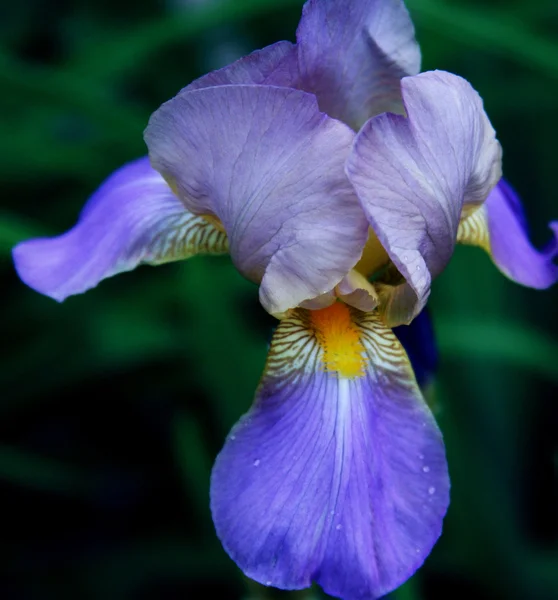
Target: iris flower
(339, 180)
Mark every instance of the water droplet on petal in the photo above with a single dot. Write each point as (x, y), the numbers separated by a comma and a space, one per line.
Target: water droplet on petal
(417, 550)
(405, 258)
(418, 267)
(431, 490)
(421, 456)
(338, 527)
(426, 469)
(268, 583)
(332, 512)
(233, 437)
(257, 462)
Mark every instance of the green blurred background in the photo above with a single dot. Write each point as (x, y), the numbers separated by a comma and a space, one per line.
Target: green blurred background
(114, 404)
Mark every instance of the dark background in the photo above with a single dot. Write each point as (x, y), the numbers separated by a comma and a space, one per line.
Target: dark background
(114, 404)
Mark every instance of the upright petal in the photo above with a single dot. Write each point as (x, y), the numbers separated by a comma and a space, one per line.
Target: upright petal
(273, 65)
(353, 55)
(338, 472)
(499, 227)
(414, 174)
(269, 166)
(132, 218)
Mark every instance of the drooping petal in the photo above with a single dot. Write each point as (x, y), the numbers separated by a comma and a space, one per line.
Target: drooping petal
(338, 472)
(270, 167)
(353, 55)
(414, 174)
(499, 227)
(420, 344)
(132, 218)
(273, 65)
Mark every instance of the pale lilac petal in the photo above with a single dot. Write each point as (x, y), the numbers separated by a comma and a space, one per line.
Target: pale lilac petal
(354, 289)
(414, 174)
(500, 228)
(132, 218)
(322, 301)
(270, 167)
(273, 65)
(353, 55)
(329, 478)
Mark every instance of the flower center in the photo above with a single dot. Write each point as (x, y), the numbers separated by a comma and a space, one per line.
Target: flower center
(215, 222)
(335, 330)
(374, 256)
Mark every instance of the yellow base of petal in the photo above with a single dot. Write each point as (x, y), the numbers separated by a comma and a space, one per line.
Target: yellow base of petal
(335, 330)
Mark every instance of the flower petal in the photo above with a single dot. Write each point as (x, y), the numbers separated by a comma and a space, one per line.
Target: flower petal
(420, 344)
(353, 55)
(132, 218)
(499, 227)
(414, 174)
(354, 289)
(269, 165)
(338, 472)
(273, 65)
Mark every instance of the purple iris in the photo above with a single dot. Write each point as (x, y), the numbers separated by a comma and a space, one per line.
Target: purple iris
(338, 472)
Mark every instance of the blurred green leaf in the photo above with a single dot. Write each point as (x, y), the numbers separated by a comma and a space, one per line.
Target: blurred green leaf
(541, 566)
(122, 53)
(230, 357)
(119, 574)
(501, 341)
(492, 31)
(36, 471)
(408, 591)
(14, 229)
(193, 459)
(108, 333)
(55, 86)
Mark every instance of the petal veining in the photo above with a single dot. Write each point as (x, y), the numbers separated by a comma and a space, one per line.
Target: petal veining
(499, 227)
(270, 166)
(337, 474)
(132, 218)
(414, 174)
(353, 55)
